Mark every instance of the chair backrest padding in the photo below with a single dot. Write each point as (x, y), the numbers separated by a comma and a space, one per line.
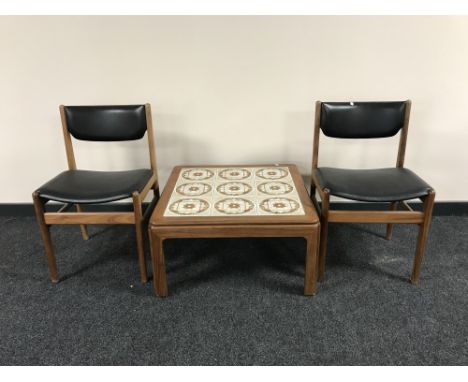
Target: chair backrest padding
(362, 119)
(106, 123)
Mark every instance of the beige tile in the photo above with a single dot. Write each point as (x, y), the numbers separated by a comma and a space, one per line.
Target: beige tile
(234, 188)
(272, 173)
(194, 189)
(188, 207)
(280, 206)
(275, 188)
(197, 174)
(234, 174)
(234, 206)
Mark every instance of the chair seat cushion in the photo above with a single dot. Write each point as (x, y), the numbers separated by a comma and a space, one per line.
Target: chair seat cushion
(376, 185)
(82, 186)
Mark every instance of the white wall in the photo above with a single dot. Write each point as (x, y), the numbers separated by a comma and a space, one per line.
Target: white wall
(232, 90)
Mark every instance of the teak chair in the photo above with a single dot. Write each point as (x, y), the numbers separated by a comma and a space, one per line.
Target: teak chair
(80, 187)
(354, 120)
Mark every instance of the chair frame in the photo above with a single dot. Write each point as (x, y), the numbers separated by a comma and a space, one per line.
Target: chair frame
(137, 217)
(391, 217)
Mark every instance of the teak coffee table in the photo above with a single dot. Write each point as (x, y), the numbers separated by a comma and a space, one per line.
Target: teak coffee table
(234, 201)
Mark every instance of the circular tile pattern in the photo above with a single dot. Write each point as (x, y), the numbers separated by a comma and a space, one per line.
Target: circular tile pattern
(189, 206)
(271, 173)
(234, 188)
(234, 206)
(193, 189)
(234, 173)
(275, 188)
(279, 205)
(197, 174)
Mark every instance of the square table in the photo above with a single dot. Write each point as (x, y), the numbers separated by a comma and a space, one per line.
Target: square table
(234, 201)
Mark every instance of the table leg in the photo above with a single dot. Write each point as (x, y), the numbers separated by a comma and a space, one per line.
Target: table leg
(159, 265)
(311, 263)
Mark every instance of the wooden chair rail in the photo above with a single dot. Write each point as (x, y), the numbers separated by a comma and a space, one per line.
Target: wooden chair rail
(402, 217)
(89, 218)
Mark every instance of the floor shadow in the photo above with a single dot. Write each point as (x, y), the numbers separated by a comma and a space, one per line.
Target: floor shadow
(191, 262)
(102, 259)
(344, 250)
(119, 246)
(93, 232)
(368, 230)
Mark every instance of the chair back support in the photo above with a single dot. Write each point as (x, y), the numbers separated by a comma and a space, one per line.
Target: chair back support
(362, 119)
(106, 123)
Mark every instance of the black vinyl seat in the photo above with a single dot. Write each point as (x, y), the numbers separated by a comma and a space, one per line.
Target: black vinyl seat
(86, 187)
(375, 185)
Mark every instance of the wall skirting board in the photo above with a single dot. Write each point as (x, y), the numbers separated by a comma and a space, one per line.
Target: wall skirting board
(440, 208)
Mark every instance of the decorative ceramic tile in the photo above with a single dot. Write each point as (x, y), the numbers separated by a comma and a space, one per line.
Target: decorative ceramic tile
(275, 188)
(234, 188)
(197, 174)
(234, 173)
(233, 206)
(279, 205)
(234, 191)
(188, 207)
(272, 173)
(193, 189)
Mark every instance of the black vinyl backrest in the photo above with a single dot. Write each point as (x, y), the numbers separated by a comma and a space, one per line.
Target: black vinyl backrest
(106, 123)
(362, 119)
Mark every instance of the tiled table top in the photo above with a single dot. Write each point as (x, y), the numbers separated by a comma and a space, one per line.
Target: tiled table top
(234, 191)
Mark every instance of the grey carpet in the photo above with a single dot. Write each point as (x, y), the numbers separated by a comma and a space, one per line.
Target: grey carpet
(234, 301)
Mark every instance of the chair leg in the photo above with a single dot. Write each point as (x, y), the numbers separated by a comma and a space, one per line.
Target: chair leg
(422, 236)
(156, 189)
(83, 227)
(45, 234)
(393, 207)
(323, 234)
(139, 236)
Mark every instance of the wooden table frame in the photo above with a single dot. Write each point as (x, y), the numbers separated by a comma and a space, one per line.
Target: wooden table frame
(162, 227)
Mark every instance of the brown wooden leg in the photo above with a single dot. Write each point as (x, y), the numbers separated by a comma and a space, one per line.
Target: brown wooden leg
(156, 189)
(45, 234)
(159, 265)
(83, 227)
(311, 265)
(428, 205)
(139, 236)
(393, 207)
(313, 189)
(313, 197)
(323, 234)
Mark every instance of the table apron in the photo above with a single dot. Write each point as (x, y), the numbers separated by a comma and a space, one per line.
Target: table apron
(257, 230)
